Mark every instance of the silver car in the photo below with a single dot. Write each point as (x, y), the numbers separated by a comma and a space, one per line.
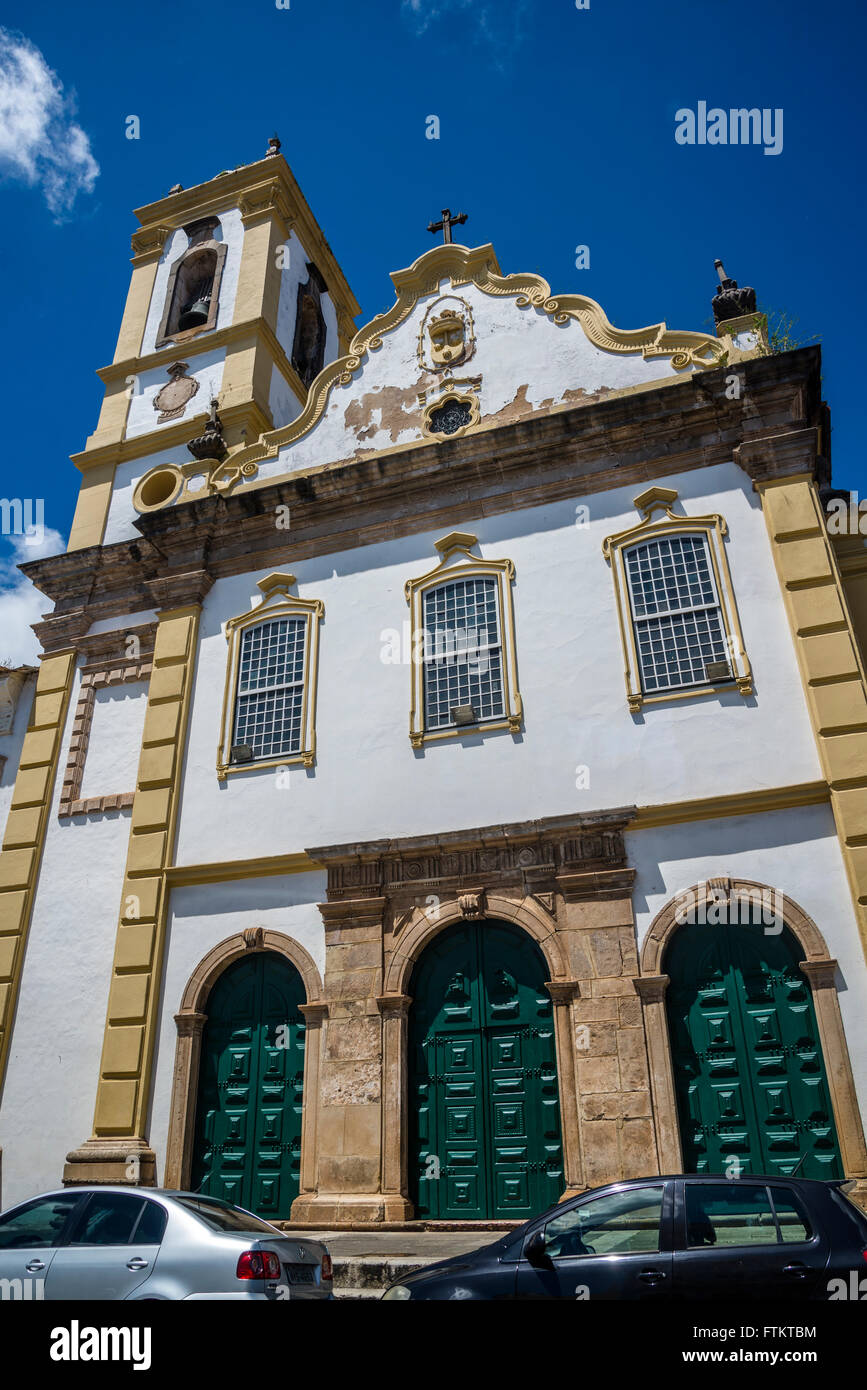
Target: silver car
(137, 1243)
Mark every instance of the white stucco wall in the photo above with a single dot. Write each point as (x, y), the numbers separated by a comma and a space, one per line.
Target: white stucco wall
(368, 782)
(794, 851)
(199, 919)
(283, 404)
(10, 747)
(50, 1088)
(205, 367)
(114, 746)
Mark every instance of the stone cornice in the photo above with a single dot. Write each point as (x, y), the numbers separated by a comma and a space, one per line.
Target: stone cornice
(533, 854)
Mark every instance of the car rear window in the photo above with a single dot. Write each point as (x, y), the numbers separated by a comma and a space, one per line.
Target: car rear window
(221, 1216)
(840, 1197)
(731, 1214)
(792, 1215)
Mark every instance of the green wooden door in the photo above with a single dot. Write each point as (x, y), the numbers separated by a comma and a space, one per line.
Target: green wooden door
(485, 1128)
(748, 1064)
(248, 1119)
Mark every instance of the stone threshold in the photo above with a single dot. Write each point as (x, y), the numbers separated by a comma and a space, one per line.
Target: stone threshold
(404, 1227)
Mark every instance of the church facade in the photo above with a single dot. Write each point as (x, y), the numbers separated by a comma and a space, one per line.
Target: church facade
(446, 779)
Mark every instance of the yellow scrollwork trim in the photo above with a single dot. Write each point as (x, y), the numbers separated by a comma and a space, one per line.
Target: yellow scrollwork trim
(461, 265)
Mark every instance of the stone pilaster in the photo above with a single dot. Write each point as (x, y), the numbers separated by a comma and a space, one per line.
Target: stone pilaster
(612, 1080)
(184, 1085)
(394, 1009)
(829, 657)
(348, 1183)
(651, 992)
(822, 975)
(564, 993)
(119, 1151)
(24, 836)
(314, 1016)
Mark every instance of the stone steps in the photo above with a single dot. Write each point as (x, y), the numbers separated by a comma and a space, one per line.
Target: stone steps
(368, 1276)
(366, 1261)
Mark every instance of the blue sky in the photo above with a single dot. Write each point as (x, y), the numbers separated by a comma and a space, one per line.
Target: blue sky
(556, 130)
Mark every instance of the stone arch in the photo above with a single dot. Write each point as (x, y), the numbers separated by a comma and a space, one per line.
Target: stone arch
(822, 972)
(191, 1019)
(418, 933)
(665, 923)
(211, 967)
(421, 931)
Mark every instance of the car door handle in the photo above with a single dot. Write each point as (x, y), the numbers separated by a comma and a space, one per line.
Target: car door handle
(651, 1276)
(137, 1263)
(797, 1269)
(34, 1266)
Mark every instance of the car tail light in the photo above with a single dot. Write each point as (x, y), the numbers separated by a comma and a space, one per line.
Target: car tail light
(258, 1264)
(328, 1271)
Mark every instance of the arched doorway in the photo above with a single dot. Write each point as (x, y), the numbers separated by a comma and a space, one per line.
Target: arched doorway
(752, 1092)
(247, 1144)
(485, 1138)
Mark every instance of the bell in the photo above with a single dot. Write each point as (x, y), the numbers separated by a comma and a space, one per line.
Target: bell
(194, 315)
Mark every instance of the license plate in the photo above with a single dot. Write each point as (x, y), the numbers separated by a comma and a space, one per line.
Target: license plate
(300, 1274)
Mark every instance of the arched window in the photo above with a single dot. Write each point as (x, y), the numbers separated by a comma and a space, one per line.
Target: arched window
(193, 291)
(678, 617)
(270, 702)
(463, 659)
(464, 674)
(308, 349)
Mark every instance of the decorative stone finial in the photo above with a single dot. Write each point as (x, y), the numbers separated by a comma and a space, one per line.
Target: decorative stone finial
(210, 444)
(729, 302)
(273, 145)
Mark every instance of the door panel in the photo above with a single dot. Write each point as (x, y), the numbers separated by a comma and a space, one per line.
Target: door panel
(736, 1244)
(616, 1246)
(29, 1236)
(486, 1138)
(248, 1121)
(749, 1072)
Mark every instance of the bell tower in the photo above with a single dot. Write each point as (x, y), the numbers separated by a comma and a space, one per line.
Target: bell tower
(235, 299)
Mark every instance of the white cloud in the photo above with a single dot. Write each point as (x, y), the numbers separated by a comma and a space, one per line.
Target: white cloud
(21, 603)
(40, 143)
(500, 25)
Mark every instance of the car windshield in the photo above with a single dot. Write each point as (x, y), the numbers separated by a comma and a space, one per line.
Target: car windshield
(221, 1216)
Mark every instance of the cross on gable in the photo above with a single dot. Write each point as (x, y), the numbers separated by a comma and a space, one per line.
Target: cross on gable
(446, 224)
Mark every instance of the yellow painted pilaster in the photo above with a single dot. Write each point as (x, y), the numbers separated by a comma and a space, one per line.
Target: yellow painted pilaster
(120, 1118)
(25, 830)
(830, 661)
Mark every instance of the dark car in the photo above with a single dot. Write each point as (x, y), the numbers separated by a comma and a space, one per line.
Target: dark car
(682, 1237)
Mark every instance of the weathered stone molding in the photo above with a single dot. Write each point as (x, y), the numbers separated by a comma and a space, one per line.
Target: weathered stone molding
(587, 852)
(105, 665)
(191, 1019)
(378, 922)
